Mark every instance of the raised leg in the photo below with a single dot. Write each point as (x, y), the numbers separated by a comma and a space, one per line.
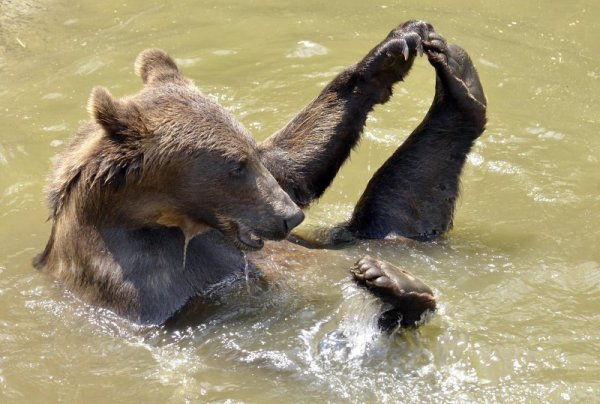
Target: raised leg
(409, 297)
(413, 194)
(307, 153)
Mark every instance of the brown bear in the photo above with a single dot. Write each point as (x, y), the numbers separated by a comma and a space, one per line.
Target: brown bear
(165, 194)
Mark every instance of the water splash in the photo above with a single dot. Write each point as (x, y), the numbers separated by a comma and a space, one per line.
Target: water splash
(360, 324)
(308, 49)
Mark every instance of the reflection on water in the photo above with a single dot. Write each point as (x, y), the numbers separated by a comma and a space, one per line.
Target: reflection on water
(518, 279)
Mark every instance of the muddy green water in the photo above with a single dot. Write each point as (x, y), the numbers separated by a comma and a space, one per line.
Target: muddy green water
(518, 278)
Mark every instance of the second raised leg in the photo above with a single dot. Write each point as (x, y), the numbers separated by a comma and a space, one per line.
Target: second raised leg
(414, 193)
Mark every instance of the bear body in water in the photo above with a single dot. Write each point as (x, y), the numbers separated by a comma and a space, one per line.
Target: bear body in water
(165, 194)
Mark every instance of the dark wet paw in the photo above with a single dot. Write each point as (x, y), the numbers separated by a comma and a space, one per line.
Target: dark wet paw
(393, 57)
(410, 35)
(408, 295)
(456, 71)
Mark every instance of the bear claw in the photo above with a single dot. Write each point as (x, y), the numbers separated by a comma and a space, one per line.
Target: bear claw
(405, 51)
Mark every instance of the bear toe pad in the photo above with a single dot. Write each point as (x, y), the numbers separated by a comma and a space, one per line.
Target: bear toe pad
(409, 296)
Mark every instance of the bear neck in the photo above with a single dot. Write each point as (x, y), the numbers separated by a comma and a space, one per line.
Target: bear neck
(146, 272)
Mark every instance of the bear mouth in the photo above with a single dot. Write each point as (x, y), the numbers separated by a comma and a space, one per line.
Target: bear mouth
(248, 239)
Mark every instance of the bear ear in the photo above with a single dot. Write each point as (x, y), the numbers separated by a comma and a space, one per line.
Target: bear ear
(116, 117)
(154, 65)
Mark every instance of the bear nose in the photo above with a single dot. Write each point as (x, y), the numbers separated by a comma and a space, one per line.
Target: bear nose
(294, 220)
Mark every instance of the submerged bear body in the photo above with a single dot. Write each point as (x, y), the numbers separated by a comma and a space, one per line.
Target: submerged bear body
(164, 194)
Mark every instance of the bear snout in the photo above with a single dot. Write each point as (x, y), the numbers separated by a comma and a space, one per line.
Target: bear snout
(293, 220)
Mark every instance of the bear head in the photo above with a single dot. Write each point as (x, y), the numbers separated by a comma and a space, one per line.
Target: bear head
(171, 156)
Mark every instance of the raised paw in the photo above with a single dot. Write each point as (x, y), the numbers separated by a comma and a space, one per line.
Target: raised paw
(406, 40)
(457, 75)
(391, 60)
(408, 295)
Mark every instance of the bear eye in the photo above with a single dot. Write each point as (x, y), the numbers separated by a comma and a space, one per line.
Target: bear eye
(239, 169)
